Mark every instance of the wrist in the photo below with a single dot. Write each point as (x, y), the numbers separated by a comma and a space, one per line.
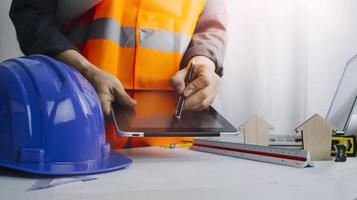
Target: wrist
(88, 70)
(77, 61)
(205, 62)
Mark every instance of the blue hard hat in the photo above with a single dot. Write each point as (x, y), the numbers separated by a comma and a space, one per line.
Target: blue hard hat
(51, 121)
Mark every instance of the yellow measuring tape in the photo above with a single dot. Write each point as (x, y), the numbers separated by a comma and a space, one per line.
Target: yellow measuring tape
(348, 140)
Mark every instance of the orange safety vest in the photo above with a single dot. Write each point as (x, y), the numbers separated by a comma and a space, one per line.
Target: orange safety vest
(142, 43)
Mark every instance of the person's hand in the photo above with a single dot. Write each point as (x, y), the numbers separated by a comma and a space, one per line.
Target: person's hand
(202, 90)
(109, 90)
(107, 86)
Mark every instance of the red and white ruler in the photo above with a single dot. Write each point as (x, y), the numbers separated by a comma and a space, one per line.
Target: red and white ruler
(283, 156)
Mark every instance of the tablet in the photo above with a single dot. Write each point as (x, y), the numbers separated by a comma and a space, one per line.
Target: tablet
(153, 116)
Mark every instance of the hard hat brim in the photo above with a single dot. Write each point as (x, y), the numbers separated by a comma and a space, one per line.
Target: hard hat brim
(113, 162)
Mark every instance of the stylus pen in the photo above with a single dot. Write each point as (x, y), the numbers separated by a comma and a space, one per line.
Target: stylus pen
(181, 100)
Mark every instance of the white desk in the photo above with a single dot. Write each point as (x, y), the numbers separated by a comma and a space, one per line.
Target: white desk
(159, 173)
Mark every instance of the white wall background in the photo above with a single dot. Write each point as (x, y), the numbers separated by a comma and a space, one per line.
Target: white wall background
(285, 58)
(8, 43)
(283, 61)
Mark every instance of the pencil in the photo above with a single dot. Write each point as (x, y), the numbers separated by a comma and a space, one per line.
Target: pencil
(181, 100)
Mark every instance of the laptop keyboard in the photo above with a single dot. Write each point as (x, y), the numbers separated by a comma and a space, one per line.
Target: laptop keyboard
(285, 138)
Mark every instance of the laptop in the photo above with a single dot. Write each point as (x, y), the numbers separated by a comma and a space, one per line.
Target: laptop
(350, 127)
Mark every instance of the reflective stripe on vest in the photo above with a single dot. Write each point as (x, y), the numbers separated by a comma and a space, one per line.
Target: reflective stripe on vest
(140, 42)
(107, 28)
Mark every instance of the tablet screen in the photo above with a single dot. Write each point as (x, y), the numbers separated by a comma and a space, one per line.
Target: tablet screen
(155, 110)
(188, 120)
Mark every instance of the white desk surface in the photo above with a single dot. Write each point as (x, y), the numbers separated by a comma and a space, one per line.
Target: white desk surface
(159, 173)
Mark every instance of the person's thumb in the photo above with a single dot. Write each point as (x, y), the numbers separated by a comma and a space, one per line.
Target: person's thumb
(178, 81)
(123, 98)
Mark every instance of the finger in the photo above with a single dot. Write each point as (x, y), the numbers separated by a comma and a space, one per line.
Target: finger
(106, 102)
(122, 97)
(178, 80)
(198, 84)
(199, 98)
(205, 103)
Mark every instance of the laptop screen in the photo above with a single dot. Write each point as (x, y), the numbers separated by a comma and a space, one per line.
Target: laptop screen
(351, 124)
